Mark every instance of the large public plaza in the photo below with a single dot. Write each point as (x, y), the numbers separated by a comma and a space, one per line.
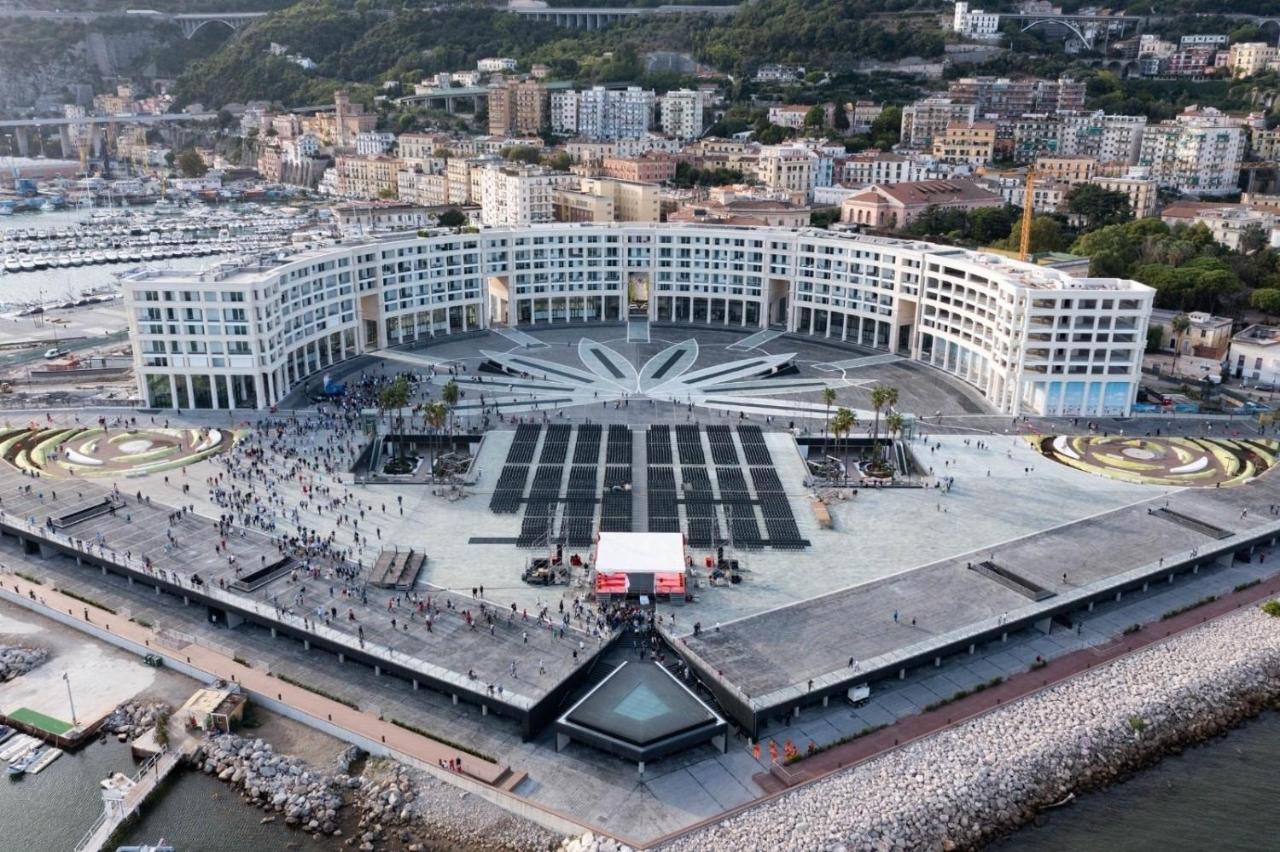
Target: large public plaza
(991, 547)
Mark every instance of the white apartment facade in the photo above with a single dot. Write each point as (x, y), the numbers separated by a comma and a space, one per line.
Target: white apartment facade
(615, 113)
(681, 114)
(373, 143)
(520, 195)
(975, 23)
(1031, 340)
(1199, 153)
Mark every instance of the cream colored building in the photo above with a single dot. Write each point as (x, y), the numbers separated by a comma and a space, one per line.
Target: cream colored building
(966, 143)
(367, 177)
(788, 168)
(1250, 57)
(1068, 169)
(1142, 189)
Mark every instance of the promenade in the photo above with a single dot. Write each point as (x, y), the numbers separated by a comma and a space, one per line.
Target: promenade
(209, 665)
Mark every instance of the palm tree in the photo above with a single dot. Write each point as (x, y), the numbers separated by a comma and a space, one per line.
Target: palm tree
(844, 422)
(828, 397)
(394, 397)
(882, 396)
(893, 424)
(450, 393)
(435, 414)
(1181, 324)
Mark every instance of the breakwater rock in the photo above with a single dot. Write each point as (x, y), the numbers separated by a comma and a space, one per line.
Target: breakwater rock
(963, 786)
(405, 808)
(17, 661)
(134, 718)
(308, 798)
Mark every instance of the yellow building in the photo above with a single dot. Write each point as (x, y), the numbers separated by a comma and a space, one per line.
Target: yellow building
(1070, 169)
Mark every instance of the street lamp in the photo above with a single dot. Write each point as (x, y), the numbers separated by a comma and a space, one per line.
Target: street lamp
(70, 701)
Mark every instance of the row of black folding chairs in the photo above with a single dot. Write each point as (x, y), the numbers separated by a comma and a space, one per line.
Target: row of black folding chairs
(658, 444)
(535, 529)
(618, 445)
(582, 482)
(586, 450)
(689, 444)
(546, 482)
(509, 490)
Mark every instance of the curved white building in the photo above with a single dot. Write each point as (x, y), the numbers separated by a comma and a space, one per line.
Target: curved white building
(1033, 340)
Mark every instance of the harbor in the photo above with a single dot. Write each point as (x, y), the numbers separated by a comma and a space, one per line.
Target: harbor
(158, 233)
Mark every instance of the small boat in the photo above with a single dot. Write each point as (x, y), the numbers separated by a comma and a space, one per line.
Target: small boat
(22, 764)
(147, 847)
(19, 745)
(46, 757)
(6, 732)
(117, 781)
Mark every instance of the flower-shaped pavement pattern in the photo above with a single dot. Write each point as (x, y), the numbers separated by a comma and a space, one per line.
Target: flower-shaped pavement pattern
(604, 376)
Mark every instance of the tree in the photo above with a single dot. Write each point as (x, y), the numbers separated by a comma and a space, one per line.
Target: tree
(522, 154)
(386, 193)
(1252, 239)
(815, 117)
(840, 121)
(843, 423)
(450, 394)
(886, 130)
(1099, 207)
(882, 396)
(452, 218)
(1181, 324)
(1266, 300)
(405, 122)
(393, 397)
(435, 414)
(893, 424)
(1155, 338)
(828, 397)
(190, 163)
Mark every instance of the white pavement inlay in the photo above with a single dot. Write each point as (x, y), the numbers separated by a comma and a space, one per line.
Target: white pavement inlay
(518, 337)
(760, 338)
(855, 363)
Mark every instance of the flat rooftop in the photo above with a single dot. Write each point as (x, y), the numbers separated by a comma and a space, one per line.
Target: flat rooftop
(778, 651)
(451, 649)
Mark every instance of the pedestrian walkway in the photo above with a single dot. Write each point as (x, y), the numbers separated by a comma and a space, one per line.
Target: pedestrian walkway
(412, 358)
(760, 338)
(638, 330)
(855, 363)
(518, 337)
(1053, 671)
(259, 684)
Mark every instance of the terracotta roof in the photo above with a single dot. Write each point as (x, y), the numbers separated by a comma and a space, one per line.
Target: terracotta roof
(1192, 209)
(930, 192)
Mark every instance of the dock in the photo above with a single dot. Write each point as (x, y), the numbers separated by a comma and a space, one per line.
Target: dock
(122, 802)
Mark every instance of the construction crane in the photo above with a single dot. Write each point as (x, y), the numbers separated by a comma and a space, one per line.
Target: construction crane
(1028, 207)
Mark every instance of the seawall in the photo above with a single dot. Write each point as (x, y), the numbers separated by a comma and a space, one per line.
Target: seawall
(966, 785)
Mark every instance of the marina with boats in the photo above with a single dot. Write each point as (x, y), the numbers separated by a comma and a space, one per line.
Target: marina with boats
(139, 236)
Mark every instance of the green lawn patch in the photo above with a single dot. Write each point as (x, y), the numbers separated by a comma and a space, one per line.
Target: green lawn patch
(27, 716)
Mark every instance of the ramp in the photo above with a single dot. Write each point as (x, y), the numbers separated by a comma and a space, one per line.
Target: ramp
(855, 363)
(519, 338)
(638, 330)
(760, 338)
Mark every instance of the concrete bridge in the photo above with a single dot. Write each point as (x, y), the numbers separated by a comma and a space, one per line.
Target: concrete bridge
(91, 126)
(192, 22)
(594, 18)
